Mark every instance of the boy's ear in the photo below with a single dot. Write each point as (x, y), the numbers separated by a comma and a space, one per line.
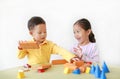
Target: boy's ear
(30, 32)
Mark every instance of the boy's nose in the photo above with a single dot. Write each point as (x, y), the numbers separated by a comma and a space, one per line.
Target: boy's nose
(42, 34)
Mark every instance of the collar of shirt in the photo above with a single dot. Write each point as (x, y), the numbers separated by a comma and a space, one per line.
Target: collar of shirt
(45, 42)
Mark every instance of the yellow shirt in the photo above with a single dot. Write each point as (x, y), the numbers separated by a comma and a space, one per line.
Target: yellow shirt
(42, 54)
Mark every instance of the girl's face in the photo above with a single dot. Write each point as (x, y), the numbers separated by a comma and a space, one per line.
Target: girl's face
(39, 33)
(81, 35)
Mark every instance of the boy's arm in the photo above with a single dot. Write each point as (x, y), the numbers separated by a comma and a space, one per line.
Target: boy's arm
(64, 53)
(21, 54)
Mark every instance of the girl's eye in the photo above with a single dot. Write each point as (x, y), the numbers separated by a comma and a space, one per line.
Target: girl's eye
(78, 31)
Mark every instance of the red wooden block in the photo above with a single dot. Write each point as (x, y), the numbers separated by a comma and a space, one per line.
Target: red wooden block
(41, 70)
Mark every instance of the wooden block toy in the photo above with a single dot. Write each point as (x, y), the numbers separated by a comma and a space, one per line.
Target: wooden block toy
(87, 70)
(82, 69)
(79, 63)
(76, 71)
(60, 61)
(103, 75)
(44, 66)
(66, 70)
(20, 74)
(97, 71)
(92, 70)
(28, 45)
(70, 66)
(105, 68)
(41, 70)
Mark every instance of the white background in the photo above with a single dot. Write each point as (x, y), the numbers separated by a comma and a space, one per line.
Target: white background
(59, 15)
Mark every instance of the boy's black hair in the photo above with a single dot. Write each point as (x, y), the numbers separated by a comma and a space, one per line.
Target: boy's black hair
(35, 21)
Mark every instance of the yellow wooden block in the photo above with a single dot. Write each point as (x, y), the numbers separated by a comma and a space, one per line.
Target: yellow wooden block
(87, 70)
(66, 70)
(20, 75)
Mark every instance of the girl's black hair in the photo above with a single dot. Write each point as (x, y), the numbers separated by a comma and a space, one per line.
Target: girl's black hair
(85, 24)
(35, 21)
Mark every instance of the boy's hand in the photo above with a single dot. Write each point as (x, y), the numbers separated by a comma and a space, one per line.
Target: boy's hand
(28, 45)
(19, 46)
(74, 59)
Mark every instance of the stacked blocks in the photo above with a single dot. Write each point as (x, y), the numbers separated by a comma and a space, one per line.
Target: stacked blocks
(78, 67)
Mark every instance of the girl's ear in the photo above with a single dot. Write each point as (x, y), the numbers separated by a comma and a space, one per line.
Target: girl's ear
(89, 31)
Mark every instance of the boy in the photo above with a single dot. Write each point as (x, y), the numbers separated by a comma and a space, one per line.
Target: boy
(41, 55)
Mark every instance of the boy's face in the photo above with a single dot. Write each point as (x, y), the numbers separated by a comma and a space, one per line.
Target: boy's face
(80, 34)
(39, 33)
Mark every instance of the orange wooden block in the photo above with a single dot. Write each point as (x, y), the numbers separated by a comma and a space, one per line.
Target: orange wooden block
(70, 66)
(29, 45)
(82, 69)
(60, 61)
(79, 63)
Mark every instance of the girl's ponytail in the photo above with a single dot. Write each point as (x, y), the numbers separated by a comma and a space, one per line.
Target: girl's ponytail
(92, 37)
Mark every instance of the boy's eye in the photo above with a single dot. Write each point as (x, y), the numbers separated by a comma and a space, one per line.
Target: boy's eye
(74, 32)
(39, 32)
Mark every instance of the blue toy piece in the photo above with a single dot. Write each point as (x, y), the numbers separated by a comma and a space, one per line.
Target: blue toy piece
(92, 71)
(97, 71)
(103, 76)
(76, 71)
(105, 68)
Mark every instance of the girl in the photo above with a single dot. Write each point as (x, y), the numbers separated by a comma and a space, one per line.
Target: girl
(86, 48)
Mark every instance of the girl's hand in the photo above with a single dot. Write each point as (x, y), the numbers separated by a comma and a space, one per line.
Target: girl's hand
(78, 52)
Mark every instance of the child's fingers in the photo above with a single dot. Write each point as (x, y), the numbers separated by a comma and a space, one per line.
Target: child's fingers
(75, 59)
